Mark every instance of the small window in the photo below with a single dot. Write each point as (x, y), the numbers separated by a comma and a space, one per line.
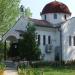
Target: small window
(49, 39)
(74, 40)
(38, 39)
(44, 40)
(69, 40)
(45, 17)
(65, 17)
(55, 16)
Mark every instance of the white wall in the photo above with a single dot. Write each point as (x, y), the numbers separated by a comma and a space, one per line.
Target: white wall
(54, 33)
(50, 17)
(68, 29)
(20, 25)
(55, 40)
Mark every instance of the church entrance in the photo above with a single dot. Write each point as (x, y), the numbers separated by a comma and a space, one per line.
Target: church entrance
(13, 50)
(10, 47)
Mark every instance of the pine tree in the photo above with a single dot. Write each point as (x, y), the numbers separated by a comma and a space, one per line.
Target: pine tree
(28, 47)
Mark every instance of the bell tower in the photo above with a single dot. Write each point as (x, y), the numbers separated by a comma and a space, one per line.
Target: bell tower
(22, 10)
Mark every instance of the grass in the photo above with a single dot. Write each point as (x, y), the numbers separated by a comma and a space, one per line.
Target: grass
(64, 70)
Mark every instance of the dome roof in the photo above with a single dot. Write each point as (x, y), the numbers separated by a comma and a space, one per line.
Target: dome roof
(55, 7)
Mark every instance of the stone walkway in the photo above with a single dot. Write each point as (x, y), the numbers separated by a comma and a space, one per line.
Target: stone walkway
(10, 72)
(11, 68)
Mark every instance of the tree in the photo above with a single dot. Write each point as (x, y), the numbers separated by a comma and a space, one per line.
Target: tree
(28, 47)
(1, 51)
(9, 10)
(28, 12)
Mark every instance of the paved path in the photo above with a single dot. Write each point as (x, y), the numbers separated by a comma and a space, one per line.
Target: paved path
(11, 68)
(10, 72)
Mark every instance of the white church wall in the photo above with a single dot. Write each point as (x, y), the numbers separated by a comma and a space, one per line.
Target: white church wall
(50, 17)
(54, 33)
(55, 40)
(20, 25)
(68, 29)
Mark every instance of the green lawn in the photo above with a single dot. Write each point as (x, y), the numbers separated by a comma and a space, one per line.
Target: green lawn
(48, 71)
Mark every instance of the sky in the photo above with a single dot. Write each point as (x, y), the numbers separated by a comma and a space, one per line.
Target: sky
(36, 6)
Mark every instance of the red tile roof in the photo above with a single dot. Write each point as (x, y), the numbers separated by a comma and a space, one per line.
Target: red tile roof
(41, 23)
(44, 23)
(55, 7)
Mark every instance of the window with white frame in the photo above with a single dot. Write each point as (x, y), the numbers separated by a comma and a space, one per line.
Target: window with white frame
(44, 39)
(55, 16)
(45, 17)
(49, 39)
(38, 39)
(70, 38)
(74, 41)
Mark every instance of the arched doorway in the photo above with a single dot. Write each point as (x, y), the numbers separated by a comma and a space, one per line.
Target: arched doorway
(10, 47)
(12, 39)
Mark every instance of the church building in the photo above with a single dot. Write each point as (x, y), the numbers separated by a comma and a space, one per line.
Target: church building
(55, 32)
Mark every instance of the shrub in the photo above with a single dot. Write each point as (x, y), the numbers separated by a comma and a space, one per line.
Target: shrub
(22, 66)
(2, 66)
(40, 64)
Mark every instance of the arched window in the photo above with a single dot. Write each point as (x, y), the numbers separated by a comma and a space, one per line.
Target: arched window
(74, 40)
(55, 16)
(65, 17)
(45, 17)
(38, 39)
(70, 41)
(44, 39)
(49, 39)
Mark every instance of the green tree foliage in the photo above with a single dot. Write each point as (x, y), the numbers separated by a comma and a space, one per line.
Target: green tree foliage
(9, 10)
(1, 50)
(28, 47)
(28, 12)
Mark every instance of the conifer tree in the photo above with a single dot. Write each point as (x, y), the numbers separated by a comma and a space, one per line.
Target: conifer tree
(28, 47)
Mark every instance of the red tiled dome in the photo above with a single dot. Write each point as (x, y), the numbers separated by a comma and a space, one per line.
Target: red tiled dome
(55, 7)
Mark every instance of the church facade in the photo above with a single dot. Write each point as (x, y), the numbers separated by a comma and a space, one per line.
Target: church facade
(55, 32)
